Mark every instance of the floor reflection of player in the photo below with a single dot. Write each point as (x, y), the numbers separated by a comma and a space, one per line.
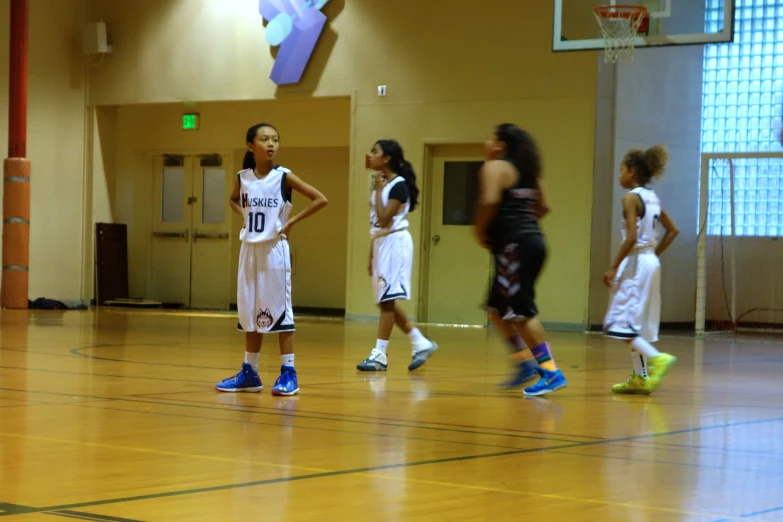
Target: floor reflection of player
(645, 418)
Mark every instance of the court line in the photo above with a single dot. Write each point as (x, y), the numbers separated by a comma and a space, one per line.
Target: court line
(757, 513)
(89, 516)
(364, 471)
(390, 422)
(75, 351)
(249, 409)
(319, 385)
(210, 383)
(688, 448)
(670, 393)
(368, 472)
(229, 408)
(105, 375)
(649, 444)
(31, 403)
(391, 419)
(9, 508)
(62, 514)
(684, 464)
(253, 410)
(345, 432)
(751, 515)
(162, 452)
(722, 450)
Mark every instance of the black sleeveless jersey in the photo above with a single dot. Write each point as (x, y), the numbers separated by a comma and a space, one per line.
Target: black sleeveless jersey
(518, 212)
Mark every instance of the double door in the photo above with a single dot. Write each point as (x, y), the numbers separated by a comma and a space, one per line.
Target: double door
(190, 233)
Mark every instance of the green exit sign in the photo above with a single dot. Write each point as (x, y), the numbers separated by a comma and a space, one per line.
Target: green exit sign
(190, 121)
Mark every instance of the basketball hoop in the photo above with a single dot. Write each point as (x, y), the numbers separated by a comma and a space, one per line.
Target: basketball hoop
(619, 25)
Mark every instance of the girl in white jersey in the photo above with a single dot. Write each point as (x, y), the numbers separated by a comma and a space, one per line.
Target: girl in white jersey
(391, 251)
(635, 275)
(262, 196)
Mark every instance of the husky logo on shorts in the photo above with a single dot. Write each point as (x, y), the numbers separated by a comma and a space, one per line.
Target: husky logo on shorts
(381, 282)
(264, 318)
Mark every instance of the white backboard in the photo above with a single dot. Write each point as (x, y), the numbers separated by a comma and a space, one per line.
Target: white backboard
(672, 22)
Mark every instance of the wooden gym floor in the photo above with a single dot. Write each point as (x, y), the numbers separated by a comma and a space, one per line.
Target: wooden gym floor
(111, 415)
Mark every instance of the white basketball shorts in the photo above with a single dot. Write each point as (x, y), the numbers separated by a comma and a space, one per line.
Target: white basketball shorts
(264, 287)
(392, 265)
(635, 299)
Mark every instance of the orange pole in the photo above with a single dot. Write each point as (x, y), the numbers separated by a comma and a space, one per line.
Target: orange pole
(16, 170)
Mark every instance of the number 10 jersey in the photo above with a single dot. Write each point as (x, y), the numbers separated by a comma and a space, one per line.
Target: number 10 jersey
(265, 204)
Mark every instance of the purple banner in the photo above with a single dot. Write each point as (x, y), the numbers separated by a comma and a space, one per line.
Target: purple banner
(294, 25)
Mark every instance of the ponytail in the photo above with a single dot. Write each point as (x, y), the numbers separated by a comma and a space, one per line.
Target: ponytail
(402, 167)
(656, 158)
(249, 162)
(646, 164)
(405, 170)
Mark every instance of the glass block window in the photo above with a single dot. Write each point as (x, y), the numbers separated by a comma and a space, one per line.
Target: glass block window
(758, 197)
(741, 111)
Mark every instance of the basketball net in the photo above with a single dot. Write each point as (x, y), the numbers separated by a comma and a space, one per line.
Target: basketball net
(619, 25)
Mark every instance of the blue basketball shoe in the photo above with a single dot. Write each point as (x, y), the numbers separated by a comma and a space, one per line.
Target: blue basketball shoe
(287, 383)
(247, 380)
(526, 371)
(550, 381)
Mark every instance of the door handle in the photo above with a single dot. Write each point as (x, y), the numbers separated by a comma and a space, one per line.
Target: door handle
(435, 239)
(185, 235)
(203, 235)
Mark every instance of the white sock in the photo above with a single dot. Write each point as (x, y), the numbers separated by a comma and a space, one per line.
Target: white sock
(639, 364)
(252, 359)
(643, 346)
(288, 359)
(381, 345)
(417, 337)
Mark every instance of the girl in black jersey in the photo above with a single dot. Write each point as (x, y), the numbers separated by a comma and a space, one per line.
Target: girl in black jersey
(511, 202)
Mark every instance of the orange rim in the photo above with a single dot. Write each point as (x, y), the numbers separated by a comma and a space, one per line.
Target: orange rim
(620, 11)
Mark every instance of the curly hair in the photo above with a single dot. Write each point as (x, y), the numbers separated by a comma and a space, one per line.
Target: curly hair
(646, 164)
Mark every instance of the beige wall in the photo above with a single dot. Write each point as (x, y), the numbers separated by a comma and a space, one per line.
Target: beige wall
(452, 70)
(315, 148)
(55, 142)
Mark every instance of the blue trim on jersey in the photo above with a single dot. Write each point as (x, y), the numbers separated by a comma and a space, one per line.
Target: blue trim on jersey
(633, 334)
(280, 327)
(285, 192)
(388, 297)
(620, 335)
(644, 207)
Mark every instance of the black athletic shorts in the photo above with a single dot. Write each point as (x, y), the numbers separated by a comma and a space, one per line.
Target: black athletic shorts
(517, 265)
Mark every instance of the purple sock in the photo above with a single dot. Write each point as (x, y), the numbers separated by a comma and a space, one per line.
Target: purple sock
(542, 353)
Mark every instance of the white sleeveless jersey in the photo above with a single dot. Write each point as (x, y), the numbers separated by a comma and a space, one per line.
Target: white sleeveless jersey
(265, 204)
(400, 220)
(647, 224)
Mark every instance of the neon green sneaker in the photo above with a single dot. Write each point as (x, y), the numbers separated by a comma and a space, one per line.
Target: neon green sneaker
(635, 385)
(658, 367)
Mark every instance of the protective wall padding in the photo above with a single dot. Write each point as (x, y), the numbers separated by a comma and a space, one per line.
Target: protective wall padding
(16, 233)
